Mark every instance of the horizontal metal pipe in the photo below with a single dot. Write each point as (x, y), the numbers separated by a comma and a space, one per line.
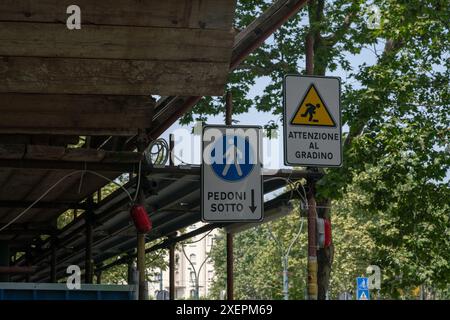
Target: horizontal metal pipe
(16, 270)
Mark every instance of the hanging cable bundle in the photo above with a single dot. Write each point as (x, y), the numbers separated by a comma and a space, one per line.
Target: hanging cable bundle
(157, 152)
(152, 157)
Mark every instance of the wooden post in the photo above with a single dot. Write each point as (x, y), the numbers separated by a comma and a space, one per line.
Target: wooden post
(141, 266)
(143, 295)
(28, 263)
(130, 272)
(88, 266)
(4, 259)
(99, 277)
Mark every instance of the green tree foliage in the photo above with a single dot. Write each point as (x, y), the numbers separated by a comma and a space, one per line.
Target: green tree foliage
(396, 148)
(361, 238)
(258, 264)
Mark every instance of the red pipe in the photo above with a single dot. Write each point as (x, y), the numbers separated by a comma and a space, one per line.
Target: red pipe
(188, 104)
(244, 54)
(17, 269)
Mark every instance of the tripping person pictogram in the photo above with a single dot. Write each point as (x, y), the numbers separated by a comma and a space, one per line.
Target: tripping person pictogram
(311, 111)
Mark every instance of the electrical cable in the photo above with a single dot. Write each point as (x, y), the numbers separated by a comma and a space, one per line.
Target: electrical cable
(161, 154)
(179, 159)
(54, 186)
(138, 185)
(201, 237)
(285, 254)
(292, 185)
(197, 274)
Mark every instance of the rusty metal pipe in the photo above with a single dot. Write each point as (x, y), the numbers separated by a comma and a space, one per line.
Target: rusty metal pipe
(16, 270)
(312, 240)
(172, 272)
(244, 54)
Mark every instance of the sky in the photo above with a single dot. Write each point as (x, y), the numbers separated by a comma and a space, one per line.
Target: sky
(187, 146)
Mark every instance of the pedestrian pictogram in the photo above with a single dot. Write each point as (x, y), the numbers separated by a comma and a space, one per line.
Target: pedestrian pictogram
(312, 111)
(362, 283)
(235, 158)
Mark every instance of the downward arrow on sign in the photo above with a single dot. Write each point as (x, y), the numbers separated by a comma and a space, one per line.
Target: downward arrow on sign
(253, 207)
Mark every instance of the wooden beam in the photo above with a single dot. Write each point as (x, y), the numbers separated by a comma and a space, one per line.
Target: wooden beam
(12, 151)
(117, 77)
(74, 114)
(210, 14)
(55, 140)
(86, 155)
(112, 42)
(37, 152)
(50, 153)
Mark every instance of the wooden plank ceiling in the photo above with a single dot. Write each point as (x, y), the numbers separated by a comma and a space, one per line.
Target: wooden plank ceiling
(58, 84)
(124, 47)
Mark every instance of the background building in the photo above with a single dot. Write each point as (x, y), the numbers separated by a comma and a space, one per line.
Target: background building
(192, 264)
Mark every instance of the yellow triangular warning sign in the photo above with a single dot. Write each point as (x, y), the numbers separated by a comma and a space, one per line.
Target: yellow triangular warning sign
(312, 111)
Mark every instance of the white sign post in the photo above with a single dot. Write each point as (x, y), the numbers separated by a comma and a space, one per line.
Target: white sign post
(312, 121)
(232, 174)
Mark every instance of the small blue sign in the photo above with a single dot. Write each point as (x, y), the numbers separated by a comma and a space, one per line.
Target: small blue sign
(362, 295)
(362, 288)
(236, 158)
(362, 283)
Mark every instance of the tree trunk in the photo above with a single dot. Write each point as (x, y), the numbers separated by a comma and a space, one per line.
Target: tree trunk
(324, 261)
(324, 255)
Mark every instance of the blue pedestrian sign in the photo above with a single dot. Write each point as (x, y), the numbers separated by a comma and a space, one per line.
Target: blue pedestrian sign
(231, 174)
(362, 283)
(235, 160)
(362, 288)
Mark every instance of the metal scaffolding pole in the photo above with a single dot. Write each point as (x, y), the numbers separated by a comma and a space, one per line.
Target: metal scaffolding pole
(171, 247)
(230, 273)
(53, 261)
(312, 245)
(172, 272)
